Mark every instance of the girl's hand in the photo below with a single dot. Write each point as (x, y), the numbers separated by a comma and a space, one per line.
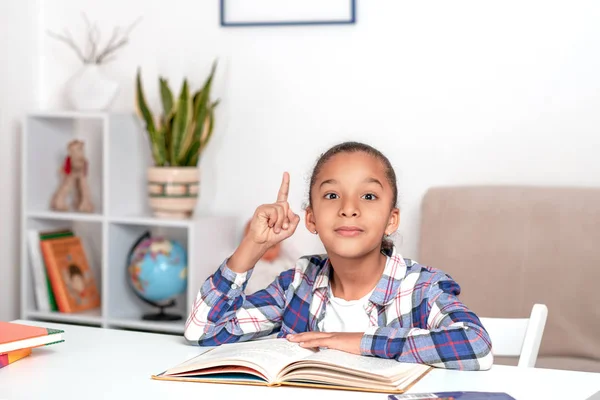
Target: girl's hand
(346, 341)
(273, 223)
(270, 224)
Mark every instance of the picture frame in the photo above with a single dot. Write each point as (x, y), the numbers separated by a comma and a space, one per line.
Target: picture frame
(249, 13)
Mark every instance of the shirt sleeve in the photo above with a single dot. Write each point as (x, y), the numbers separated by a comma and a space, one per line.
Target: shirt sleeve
(222, 313)
(454, 338)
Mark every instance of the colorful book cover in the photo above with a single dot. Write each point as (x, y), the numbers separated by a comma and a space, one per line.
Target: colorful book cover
(12, 356)
(47, 236)
(17, 336)
(72, 279)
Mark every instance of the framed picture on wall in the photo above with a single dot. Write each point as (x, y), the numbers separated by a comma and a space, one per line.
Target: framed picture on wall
(287, 12)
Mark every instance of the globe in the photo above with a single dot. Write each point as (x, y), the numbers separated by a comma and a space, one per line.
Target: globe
(157, 272)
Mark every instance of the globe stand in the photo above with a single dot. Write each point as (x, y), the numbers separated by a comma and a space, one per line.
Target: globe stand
(161, 315)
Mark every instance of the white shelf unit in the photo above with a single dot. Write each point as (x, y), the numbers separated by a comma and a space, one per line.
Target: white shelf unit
(118, 154)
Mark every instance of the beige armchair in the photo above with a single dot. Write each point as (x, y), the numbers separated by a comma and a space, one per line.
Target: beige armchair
(511, 247)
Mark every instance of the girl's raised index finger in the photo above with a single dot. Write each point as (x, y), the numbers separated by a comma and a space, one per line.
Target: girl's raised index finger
(284, 188)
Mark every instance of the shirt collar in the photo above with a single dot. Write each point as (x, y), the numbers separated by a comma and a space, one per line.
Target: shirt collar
(322, 279)
(387, 287)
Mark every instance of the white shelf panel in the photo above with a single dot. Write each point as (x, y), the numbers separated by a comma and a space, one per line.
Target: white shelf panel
(151, 221)
(159, 326)
(88, 317)
(66, 216)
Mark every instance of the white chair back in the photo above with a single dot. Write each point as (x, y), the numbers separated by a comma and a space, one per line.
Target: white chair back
(518, 336)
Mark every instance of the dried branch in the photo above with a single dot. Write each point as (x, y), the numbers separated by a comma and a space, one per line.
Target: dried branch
(117, 40)
(93, 34)
(114, 36)
(109, 59)
(69, 41)
(112, 47)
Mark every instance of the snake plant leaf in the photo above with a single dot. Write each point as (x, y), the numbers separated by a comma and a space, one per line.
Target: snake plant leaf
(203, 96)
(191, 155)
(166, 97)
(156, 144)
(188, 138)
(168, 133)
(202, 111)
(196, 98)
(180, 123)
(206, 135)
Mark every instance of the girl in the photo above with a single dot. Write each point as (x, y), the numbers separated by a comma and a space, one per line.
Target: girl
(362, 296)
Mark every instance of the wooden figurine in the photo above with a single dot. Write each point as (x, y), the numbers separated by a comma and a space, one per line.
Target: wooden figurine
(73, 179)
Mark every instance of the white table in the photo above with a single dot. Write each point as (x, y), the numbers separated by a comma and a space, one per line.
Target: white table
(96, 363)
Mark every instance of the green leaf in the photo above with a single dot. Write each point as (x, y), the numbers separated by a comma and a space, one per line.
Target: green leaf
(206, 135)
(166, 96)
(156, 144)
(191, 155)
(201, 103)
(196, 98)
(160, 140)
(203, 110)
(168, 129)
(180, 123)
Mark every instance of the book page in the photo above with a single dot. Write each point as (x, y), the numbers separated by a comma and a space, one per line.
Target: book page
(266, 356)
(366, 367)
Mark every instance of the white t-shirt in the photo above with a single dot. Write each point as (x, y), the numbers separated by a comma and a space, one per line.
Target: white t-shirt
(346, 315)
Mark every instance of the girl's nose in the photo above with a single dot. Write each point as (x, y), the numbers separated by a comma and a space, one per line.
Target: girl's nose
(349, 209)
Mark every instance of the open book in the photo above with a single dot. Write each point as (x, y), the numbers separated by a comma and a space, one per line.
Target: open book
(277, 362)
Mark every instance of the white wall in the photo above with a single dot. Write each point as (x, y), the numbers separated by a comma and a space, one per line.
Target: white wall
(19, 24)
(453, 92)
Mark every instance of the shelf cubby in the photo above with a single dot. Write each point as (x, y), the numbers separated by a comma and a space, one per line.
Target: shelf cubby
(118, 153)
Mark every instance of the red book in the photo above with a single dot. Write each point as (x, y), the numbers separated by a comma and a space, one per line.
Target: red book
(17, 337)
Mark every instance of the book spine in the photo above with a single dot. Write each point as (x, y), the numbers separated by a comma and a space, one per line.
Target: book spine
(55, 279)
(48, 236)
(37, 269)
(12, 356)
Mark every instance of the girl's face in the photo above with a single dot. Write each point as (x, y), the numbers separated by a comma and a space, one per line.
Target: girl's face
(351, 205)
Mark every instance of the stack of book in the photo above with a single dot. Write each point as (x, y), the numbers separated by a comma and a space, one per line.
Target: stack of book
(17, 341)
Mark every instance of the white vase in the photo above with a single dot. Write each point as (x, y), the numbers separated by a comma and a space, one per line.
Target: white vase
(90, 90)
(173, 191)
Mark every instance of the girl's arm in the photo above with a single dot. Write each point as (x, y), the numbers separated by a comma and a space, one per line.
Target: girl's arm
(455, 338)
(222, 313)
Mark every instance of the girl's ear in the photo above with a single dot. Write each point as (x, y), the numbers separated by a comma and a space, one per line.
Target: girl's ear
(393, 222)
(309, 220)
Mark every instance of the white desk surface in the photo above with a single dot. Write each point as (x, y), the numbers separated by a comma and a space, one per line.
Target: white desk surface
(96, 363)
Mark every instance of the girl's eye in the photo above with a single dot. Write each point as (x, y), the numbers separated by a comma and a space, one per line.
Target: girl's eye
(369, 196)
(331, 196)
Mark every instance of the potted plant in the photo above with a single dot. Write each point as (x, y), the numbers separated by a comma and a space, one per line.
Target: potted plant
(177, 139)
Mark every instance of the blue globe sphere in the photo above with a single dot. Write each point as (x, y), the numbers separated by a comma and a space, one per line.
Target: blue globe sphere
(158, 269)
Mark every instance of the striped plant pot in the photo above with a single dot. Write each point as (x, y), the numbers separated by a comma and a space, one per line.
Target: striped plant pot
(173, 191)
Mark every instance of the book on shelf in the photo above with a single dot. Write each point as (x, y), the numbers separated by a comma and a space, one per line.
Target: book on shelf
(453, 396)
(15, 336)
(71, 277)
(12, 356)
(44, 296)
(278, 362)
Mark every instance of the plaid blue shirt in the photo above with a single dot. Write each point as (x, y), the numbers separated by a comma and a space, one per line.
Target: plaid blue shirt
(414, 312)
